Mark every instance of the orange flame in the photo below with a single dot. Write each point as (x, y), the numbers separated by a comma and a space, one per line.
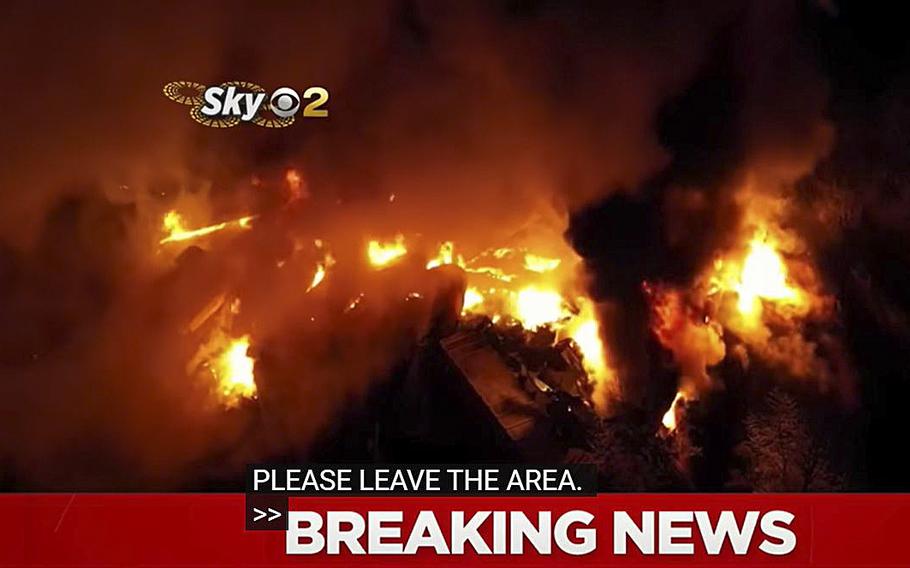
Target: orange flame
(472, 298)
(318, 277)
(382, 254)
(586, 333)
(173, 225)
(533, 295)
(763, 277)
(446, 255)
(233, 371)
(535, 307)
(322, 269)
(669, 419)
(756, 293)
(541, 264)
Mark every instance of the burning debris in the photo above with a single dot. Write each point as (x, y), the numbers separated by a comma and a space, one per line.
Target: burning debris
(510, 324)
(382, 254)
(631, 272)
(232, 367)
(322, 267)
(533, 388)
(754, 299)
(763, 278)
(669, 420)
(224, 357)
(173, 225)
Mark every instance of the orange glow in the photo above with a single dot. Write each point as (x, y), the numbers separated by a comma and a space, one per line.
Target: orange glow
(669, 418)
(472, 299)
(322, 269)
(233, 369)
(587, 336)
(761, 292)
(382, 254)
(763, 276)
(446, 255)
(293, 179)
(492, 272)
(173, 222)
(533, 290)
(695, 340)
(540, 264)
(518, 285)
(318, 277)
(535, 307)
(584, 329)
(352, 305)
(173, 225)
(760, 278)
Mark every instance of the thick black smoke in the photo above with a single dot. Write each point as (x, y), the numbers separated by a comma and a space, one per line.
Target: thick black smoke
(754, 112)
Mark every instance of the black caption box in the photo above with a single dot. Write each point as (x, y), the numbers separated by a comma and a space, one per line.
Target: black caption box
(423, 480)
(266, 512)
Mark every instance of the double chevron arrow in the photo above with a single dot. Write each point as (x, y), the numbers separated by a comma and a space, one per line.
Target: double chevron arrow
(260, 514)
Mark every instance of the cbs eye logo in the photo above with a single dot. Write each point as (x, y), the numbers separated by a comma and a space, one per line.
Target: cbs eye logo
(228, 104)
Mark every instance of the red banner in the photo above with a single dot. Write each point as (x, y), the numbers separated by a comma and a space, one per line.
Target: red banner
(607, 530)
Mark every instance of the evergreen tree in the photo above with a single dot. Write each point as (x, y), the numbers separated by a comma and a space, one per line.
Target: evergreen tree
(781, 454)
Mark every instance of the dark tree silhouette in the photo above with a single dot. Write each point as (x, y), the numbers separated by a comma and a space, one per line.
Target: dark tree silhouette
(780, 453)
(632, 457)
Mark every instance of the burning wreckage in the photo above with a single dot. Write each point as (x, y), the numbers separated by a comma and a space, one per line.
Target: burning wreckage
(523, 395)
(651, 246)
(277, 344)
(518, 368)
(495, 358)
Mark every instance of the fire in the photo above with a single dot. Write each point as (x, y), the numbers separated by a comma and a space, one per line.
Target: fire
(318, 277)
(492, 272)
(516, 284)
(535, 307)
(223, 356)
(763, 276)
(541, 264)
(502, 283)
(584, 329)
(472, 299)
(695, 340)
(322, 269)
(587, 336)
(669, 418)
(760, 279)
(758, 292)
(382, 254)
(173, 225)
(446, 255)
(233, 369)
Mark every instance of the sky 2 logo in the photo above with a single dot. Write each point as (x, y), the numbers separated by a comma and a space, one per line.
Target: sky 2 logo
(228, 104)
